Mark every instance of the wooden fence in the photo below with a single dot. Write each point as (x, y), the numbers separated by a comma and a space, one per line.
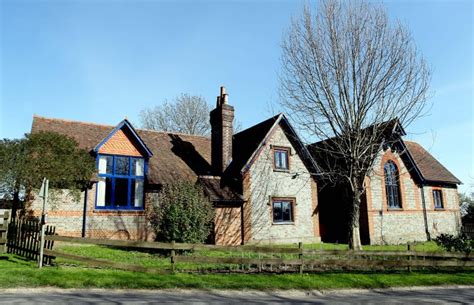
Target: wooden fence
(468, 229)
(5, 216)
(23, 239)
(300, 259)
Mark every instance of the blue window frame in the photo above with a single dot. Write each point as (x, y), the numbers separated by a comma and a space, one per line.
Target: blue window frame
(121, 182)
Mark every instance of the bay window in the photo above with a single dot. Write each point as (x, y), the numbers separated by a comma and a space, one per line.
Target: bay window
(121, 182)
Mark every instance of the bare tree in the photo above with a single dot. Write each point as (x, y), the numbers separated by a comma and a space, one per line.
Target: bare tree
(186, 114)
(349, 75)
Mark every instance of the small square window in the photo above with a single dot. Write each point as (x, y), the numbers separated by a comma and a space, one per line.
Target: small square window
(280, 159)
(282, 211)
(438, 199)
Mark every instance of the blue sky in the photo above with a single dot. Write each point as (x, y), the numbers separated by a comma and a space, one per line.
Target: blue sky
(101, 61)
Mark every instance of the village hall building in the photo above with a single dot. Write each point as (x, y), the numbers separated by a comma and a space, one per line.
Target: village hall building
(262, 181)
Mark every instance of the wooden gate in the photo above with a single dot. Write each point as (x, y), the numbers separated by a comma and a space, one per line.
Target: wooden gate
(23, 239)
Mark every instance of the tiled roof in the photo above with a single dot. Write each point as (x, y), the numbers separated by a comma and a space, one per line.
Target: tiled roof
(217, 191)
(430, 168)
(176, 156)
(246, 142)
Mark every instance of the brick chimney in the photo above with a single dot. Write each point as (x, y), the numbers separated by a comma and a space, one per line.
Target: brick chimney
(222, 118)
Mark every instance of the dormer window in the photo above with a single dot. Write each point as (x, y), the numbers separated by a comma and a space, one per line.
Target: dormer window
(281, 158)
(121, 182)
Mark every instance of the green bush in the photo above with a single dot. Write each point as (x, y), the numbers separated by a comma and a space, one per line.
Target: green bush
(182, 213)
(451, 243)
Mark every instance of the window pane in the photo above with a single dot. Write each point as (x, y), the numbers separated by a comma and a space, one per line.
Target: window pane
(137, 193)
(105, 164)
(438, 199)
(122, 166)
(101, 192)
(121, 192)
(396, 199)
(277, 213)
(281, 159)
(389, 196)
(138, 167)
(286, 207)
(108, 191)
(284, 162)
(277, 159)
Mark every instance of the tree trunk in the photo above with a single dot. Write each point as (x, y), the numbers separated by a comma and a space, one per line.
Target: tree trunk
(15, 204)
(354, 225)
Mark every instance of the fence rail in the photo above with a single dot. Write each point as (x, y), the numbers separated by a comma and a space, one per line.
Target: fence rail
(251, 248)
(324, 262)
(326, 259)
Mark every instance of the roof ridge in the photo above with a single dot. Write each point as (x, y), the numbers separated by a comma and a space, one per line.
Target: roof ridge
(112, 126)
(71, 121)
(173, 133)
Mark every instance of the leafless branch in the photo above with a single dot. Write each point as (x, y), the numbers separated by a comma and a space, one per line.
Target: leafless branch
(349, 76)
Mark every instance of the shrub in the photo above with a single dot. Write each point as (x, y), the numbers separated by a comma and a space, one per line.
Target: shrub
(182, 213)
(451, 243)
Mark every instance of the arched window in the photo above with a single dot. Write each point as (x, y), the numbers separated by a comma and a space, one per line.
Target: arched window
(392, 185)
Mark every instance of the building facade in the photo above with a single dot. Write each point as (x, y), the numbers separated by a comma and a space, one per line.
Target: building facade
(259, 180)
(263, 182)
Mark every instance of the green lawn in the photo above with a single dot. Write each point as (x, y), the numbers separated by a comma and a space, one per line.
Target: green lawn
(16, 272)
(161, 262)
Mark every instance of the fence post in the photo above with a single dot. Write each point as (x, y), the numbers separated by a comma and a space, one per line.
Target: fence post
(6, 224)
(173, 253)
(409, 256)
(41, 246)
(300, 256)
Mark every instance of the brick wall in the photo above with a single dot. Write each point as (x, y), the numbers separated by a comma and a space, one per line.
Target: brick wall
(228, 226)
(407, 224)
(265, 183)
(66, 214)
